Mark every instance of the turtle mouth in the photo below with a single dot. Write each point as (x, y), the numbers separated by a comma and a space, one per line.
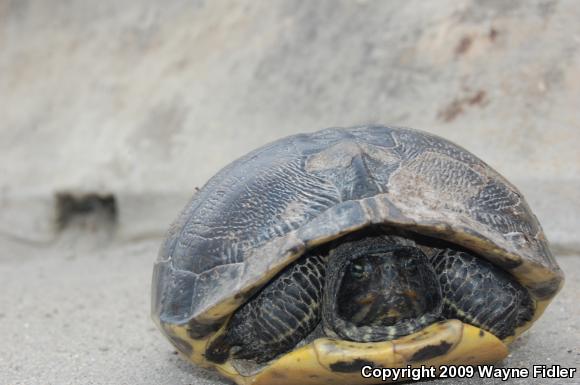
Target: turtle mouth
(364, 303)
(371, 287)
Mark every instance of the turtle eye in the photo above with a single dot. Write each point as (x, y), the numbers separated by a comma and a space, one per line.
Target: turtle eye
(360, 270)
(410, 263)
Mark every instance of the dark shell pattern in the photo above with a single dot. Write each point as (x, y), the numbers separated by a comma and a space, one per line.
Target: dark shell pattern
(265, 209)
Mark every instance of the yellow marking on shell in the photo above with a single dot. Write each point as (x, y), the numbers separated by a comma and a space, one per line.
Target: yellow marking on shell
(198, 346)
(323, 361)
(310, 364)
(472, 345)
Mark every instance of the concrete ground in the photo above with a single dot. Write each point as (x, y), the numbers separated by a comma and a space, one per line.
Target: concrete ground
(78, 313)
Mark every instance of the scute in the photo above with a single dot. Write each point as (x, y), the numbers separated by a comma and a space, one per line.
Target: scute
(264, 210)
(339, 362)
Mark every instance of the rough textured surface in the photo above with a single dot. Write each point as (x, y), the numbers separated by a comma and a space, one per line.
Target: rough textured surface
(252, 218)
(76, 313)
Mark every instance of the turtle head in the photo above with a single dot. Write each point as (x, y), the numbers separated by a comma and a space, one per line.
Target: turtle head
(379, 291)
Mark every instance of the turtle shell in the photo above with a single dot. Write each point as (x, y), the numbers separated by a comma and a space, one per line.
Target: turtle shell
(264, 210)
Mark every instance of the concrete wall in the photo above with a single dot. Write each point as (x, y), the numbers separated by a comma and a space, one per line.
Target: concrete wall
(146, 100)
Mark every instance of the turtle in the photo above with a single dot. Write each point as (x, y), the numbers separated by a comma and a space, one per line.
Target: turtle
(320, 254)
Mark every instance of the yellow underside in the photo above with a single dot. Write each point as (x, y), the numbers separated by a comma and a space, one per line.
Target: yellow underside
(338, 362)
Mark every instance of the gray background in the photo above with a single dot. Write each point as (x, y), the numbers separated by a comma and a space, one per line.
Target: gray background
(145, 100)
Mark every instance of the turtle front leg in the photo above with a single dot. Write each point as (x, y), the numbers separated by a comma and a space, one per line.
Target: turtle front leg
(278, 317)
(480, 293)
